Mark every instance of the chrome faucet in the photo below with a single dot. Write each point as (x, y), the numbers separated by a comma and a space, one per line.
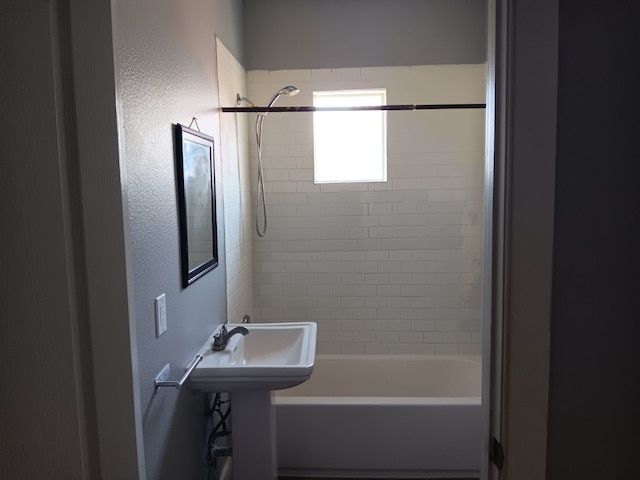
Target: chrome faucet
(221, 337)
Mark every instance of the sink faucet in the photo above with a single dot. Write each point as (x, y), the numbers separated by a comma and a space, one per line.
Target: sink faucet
(221, 337)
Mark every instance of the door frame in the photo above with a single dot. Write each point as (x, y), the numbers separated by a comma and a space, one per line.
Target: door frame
(523, 68)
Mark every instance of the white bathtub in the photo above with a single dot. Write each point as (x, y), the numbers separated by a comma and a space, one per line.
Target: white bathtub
(383, 416)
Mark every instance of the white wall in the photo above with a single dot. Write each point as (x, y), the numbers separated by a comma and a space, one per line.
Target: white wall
(389, 267)
(237, 188)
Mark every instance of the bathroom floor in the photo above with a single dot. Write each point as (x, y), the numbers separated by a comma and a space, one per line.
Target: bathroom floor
(352, 478)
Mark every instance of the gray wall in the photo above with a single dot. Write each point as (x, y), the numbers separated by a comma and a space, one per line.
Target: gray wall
(526, 92)
(595, 337)
(37, 319)
(168, 75)
(71, 406)
(228, 26)
(68, 400)
(290, 34)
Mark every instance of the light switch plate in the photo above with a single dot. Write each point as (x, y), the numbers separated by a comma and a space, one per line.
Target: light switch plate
(161, 314)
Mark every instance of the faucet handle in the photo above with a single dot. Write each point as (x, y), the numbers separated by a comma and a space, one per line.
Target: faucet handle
(220, 333)
(220, 339)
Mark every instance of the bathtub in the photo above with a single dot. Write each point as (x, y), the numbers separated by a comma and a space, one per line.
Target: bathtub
(398, 416)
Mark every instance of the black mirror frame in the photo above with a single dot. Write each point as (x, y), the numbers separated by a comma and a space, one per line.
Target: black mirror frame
(182, 133)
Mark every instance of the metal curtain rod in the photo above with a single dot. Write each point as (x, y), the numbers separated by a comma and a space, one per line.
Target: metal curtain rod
(444, 106)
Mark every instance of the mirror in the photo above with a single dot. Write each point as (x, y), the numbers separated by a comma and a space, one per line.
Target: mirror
(195, 179)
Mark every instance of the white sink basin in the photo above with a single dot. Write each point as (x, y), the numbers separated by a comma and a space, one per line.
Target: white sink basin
(272, 356)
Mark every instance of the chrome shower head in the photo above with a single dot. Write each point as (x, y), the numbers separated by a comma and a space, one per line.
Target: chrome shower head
(289, 91)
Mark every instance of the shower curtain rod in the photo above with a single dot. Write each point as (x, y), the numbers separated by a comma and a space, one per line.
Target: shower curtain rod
(444, 106)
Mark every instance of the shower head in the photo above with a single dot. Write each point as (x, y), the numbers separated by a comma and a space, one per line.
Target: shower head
(288, 91)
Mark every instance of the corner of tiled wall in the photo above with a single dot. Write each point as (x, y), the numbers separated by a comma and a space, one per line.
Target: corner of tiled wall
(236, 190)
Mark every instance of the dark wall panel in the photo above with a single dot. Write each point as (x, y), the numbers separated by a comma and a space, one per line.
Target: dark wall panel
(594, 416)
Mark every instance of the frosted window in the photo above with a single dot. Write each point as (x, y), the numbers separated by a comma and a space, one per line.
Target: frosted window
(350, 146)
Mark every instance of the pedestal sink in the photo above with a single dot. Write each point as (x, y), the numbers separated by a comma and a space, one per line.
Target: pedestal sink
(272, 356)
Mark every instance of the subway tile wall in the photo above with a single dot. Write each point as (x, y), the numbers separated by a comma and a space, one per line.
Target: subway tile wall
(393, 267)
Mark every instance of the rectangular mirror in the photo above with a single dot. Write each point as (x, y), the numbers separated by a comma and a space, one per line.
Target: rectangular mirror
(195, 179)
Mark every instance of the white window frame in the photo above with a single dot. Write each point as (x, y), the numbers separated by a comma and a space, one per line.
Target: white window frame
(350, 146)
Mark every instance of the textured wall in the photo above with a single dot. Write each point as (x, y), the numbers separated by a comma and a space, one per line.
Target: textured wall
(388, 267)
(292, 34)
(40, 394)
(168, 75)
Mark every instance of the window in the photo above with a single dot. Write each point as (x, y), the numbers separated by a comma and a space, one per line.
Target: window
(350, 146)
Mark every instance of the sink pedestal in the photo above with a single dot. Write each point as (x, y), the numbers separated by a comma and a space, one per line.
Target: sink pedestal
(253, 429)
(269, 357)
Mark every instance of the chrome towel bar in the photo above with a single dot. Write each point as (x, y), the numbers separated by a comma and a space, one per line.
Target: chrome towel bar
(161, 378)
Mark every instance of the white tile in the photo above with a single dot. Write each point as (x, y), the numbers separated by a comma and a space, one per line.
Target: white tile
(352, 256)
(318, 290)
(377, 256)
(324, 74)
(387, 337)
(381, 232)
(329, 348)
(307, 187)
(283, 187)
(352, 302)
(402, 256)
(412, 290)
(353, 279)
(400, 302)
(377, 325)
(303, 75)
(300, 150)
(410, 337)
(375, 301)
(381, 208)
(365, 290)
(389, 267)
(350, 325)
(352, 348)
(458, 337)
(364, 336)
(399, 349)
(348, 74)
(254, 76)
(341, 290)
(470, 349)
(422, 349)
(375, 348)
(447, 349)
(299, 175)
(274, 76)
(423, 325)
(374, 74)
(295, 290)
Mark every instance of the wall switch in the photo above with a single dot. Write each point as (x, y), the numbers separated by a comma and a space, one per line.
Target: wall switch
(161, 314)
